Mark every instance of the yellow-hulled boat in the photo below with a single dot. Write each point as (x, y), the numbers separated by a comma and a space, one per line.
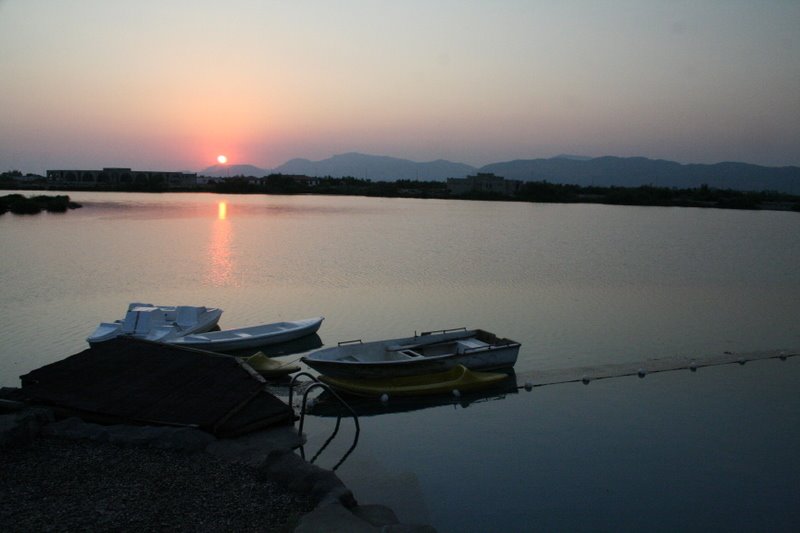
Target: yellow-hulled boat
(459, 378)
(270, 368)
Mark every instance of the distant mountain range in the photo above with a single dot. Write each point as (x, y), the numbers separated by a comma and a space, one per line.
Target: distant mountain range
(565, 169)
(374, 167)
(226, 171)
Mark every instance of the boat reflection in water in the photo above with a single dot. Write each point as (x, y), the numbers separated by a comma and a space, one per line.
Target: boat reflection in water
(330, 404)
(325, 405)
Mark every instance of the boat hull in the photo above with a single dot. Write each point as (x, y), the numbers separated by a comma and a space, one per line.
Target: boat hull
(250, 337)
(387, 359)
(499, 359)
(457, 378)
(270, 368)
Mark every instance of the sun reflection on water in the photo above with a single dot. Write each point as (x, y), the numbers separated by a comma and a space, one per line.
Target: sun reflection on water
(221, 263)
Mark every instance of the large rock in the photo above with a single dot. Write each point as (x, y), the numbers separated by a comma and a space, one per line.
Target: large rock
(162, 437)
(20, 428)
(292, 472)
(337, 509)
(254, 448)
(367, 519)
(377, 515)
(334, 517)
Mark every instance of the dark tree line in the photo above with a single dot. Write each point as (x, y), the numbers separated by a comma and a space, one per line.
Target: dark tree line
(21, 205)
(535, 191)
(703, 196)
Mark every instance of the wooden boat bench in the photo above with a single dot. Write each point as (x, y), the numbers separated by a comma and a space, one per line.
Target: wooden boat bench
(465, 345)
(400, 353)
(394, 355)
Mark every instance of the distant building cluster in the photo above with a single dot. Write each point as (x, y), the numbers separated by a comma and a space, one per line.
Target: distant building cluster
(120, 177)
(305, 181)
(301, 179)
(483, 182)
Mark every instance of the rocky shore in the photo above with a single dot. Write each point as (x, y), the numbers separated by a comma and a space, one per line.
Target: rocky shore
(69, 475)
(58, 484)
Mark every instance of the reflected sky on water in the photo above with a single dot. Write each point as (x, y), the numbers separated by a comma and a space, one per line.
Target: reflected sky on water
(577, 285)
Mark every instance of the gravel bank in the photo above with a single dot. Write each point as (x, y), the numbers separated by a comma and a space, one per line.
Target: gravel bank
(77, 485)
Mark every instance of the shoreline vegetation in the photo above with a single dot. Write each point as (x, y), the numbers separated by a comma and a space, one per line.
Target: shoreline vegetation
(533, 191)
(22, 205)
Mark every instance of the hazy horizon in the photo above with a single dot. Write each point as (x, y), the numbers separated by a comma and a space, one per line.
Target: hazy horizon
(171, 85)
(232, 166)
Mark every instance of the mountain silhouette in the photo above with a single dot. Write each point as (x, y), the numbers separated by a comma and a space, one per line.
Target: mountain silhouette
(226, 171)
(562, 169)
(638, 171)
(378, 168)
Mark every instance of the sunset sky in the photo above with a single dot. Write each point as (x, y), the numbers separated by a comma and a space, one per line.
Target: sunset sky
(170, 85)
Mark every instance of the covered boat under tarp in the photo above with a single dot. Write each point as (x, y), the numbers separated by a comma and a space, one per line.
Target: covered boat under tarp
(128, 380)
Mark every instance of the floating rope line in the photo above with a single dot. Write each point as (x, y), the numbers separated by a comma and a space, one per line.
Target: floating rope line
(587, 374)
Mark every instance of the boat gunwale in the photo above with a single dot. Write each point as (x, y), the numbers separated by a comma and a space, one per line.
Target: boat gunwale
(230, 334)
(422, 357)
(395, 345)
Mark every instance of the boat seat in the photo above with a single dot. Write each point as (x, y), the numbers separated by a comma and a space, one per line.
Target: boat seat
(186, 315)
(394, 347)
(470, 344)
(401, 355)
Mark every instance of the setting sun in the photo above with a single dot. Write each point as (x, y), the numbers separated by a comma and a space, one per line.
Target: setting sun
(222, 159)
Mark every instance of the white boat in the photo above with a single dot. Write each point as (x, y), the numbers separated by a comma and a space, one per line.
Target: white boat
(249, 337)
(158, 322)
(427, 353)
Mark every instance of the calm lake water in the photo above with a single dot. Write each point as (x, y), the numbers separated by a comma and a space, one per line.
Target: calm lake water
(577, 285)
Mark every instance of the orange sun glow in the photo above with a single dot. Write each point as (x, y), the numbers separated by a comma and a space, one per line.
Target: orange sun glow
(221, 159)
